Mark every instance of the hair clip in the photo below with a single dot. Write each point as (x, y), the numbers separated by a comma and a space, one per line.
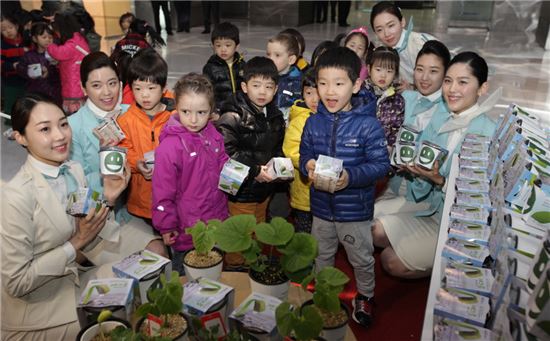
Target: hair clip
(363, 30)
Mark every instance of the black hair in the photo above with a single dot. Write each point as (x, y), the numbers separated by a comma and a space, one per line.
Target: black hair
(308, 79)
(148, 65)
(340, 58)
(369, 46)
(37, 15)
(22, 108)
(299, 37)
(86, 21)
(385, 7)
(67, 25)
(125, 16)
(477, 64)
(12, 19)
(141, 27)
(225, 30)
(197, 84)
(438, 49)
(289, 42)
(93, 61)
(122, 60)
(260, 67)
(38, 29)
(321, 48)
(23, 17)
(386, 57)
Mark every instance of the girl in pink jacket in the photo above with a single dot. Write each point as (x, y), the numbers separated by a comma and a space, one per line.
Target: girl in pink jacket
(187, 167)
(69, 54)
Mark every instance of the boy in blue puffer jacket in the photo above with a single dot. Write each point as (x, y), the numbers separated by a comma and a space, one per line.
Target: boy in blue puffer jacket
(345, 127)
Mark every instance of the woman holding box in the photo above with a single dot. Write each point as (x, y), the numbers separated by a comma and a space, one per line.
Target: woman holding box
(407, 226)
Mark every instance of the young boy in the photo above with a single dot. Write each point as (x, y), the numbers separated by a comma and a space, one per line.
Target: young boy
(283, 50)
(142, 123)
(345, 128)
(225, 66)
(253, 129)
(299, 187)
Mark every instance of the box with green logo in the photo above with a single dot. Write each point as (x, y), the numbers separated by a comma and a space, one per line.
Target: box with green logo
(428, 153)
(407, 134)
(232, 176)
(280, 168)
(81, 201)
(403, 153)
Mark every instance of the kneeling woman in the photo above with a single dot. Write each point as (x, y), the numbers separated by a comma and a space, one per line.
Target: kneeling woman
(407, 226)
(41, 244)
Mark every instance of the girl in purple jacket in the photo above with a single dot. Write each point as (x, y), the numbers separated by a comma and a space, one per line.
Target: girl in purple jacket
(187, 164)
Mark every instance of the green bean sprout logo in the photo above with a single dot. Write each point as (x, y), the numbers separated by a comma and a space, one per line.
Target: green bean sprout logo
(427, 155)
(406, 153)
(407, 136)
(114, 162)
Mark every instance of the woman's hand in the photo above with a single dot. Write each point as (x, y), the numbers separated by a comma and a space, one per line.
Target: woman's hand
(115, 184)
(107, 143)
(144, 170)
(88, 227)
(432, 175)
(263, 176)
(404, 85)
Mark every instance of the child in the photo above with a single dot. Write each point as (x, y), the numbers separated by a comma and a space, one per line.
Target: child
(253, 129)
(188, 163)
(225, 66)
(69, 54)
(135, 39)
(345, 128)
(358, 41)
(283, 50)
(46, 81)
(301, 63)
(142, 124)
(383, 70)
(11, 50)
(125, 21)
(299, 188)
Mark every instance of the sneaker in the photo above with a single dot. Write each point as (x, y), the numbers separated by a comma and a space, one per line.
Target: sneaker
(363, 310)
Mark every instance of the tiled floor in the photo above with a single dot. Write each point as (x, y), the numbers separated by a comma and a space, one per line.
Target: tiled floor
(516, 63)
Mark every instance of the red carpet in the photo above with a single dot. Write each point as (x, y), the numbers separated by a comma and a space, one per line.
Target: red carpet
(400, 304)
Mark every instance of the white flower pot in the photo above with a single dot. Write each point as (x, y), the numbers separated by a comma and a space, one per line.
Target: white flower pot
(92, 330)
(277, 290)
(214, 272)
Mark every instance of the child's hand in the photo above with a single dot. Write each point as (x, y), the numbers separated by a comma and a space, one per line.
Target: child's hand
(343, 182)
(263, 176)
(107, 143)
(144, 170)
(310, 167)
(44, 72)
(170, 237)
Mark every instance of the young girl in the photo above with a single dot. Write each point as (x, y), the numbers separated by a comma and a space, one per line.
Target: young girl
(383, 70)
(46, 79)
(188, 163)
(136, 38)
(389, 25)
(69, 53)
(11, 50)
(358, 41)
(125, 21)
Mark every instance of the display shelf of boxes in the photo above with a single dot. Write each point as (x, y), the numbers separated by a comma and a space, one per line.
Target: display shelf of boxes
(491, 274)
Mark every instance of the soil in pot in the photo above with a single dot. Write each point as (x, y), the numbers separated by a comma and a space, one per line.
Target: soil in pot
(333, 320)
(272, 275)
(176, 326)
(202, 261)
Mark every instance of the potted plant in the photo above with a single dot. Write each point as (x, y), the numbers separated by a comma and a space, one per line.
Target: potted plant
(298, 324)
(103, 329)
(203, 260)
(290, 254)
(164, 307)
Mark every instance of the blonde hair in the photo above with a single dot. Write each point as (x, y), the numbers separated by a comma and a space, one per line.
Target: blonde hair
(197, 84)
(289, 42)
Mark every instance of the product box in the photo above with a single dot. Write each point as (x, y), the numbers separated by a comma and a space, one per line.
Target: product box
(470, 278)
(473, 199)
(473, 174)
(204, 296)
(475, 164)
(34, 70)
(464, 251)
(469, 213)
(280, 168)
(462, 305)
(451, 330)
(473, 154)
(115, 294)
(81, 201)
(403, 153)
(407, 134)
(540, 263)
(474, 145)
(257, 313)
(428, 153)
(476, 138)
(149, 158)
(327, 172)
(109, 130)
(537, 316)
(232, 176)
(471, 186)
(112, 160)
(145, 267)
(472, 232)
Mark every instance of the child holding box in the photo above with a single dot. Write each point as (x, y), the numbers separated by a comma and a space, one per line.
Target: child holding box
(345, 129)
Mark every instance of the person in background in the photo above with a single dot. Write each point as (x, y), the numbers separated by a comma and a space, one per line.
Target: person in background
(225, 67)
(358, 41)
(11, 51)
(45, 80)
(136, 38)
(301, 63)
(188, 163)
(183, 13)
(210, 9)
(321, 11)
(125, 21)
(156, 11)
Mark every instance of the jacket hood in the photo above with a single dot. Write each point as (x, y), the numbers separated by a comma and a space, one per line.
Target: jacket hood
(362, 103)
(299, 109)
(174, 127)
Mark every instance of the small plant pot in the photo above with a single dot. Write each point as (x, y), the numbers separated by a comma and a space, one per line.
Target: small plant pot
(276, 288)
(181, 335)
(207, 271)
(336, 332)
(220, 307)
(90, 331)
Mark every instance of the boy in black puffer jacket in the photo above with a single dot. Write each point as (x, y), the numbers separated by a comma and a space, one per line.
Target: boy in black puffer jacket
(225, 66)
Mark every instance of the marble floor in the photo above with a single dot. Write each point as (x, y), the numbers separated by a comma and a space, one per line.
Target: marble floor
(517, 63)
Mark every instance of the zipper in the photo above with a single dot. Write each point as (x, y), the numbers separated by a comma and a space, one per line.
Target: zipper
(153, 135)
(333, 153)
(232, 77)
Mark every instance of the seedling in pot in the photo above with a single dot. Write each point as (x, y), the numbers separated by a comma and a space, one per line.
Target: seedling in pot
(203, 241)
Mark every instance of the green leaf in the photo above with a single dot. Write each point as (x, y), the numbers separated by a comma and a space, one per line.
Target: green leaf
(305, 282)
(235, 233)
(252, 253)
(203, 237)
(104, 315)
(310, 324)
(285, 318)
(326, 298)
(276, 233)
(542, 217)
(332, 276)
(167, 299)
(299, 253)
